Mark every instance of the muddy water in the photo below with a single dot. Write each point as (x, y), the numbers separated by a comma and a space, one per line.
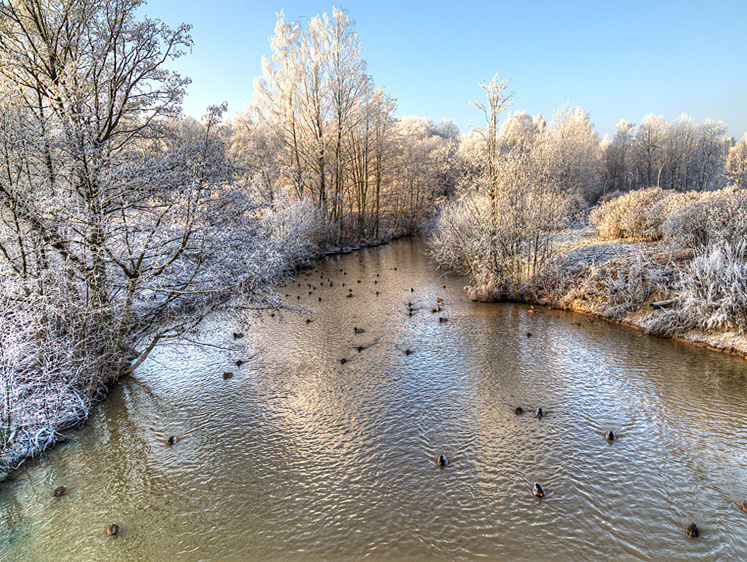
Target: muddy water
(301, 455)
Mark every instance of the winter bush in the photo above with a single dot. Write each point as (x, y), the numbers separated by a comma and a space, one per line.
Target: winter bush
(618, 287)
(713, 217)
(49, 376)
(638, 214)
(713, 288)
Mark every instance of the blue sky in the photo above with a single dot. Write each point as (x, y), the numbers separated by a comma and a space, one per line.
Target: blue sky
(617, 59)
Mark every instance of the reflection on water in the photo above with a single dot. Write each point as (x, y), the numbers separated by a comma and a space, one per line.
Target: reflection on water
(302, 455)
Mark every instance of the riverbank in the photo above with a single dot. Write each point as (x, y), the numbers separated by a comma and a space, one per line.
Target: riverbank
(314, 439)
(631, 283)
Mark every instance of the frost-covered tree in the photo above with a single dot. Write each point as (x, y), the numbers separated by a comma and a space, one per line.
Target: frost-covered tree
(119, 220)
(650, 154)
(619, 162)
(334, 131)
(736, 165)
(573, 153)
(88, 79)
(422, 170)
(498, 231)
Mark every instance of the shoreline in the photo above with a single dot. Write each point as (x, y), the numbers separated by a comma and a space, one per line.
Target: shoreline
(17, 459)
(578, 240)
(580, 282)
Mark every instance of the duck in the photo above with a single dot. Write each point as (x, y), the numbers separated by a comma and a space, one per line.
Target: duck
(540, 412)
(743, 505)
(442, 460)
(239, 362)
(518, 410)
(538, 490)
(171, 440)
(343, 361)
(610, 436)
(112, 529)
(60, 491)
(692, 530)
(238, 335)
(227, 375)
(358, 330)
(529, 334)
(408, 351)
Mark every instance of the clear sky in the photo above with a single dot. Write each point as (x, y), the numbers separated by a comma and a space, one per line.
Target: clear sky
(615, 58)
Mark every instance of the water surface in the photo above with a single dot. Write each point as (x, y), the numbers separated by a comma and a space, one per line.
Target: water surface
(302, 455)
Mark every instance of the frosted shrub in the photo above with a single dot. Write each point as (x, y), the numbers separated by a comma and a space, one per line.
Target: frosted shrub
(49, 376)
(713, 288)
(618, 287)
(714, 217)
(638, 214)
(296, 227)
(460, 238)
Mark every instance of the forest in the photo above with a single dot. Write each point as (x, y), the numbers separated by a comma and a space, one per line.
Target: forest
(124, 222)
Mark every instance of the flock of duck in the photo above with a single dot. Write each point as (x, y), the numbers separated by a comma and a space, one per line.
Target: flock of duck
(538, 490)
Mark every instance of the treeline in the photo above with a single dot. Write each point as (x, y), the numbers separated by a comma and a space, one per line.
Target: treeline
(680, 155)
(320, 130)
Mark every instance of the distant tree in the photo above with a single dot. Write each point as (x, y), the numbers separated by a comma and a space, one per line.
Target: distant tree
(736, 165)
(619, 159)
(649, 149)
(573, 154)
(329, 119)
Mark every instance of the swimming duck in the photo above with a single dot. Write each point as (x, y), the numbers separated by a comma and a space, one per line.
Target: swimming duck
(171, 440)
(743, 505)
(540, 412)
(227, 375)
(529, 334)
(238, 335)
(343, 361)
(358, 330)
(519, 410)
(59, 491)
(692, 530)
(442, 460)
(538, 490)
(408, 351)
(112, 529)
(610, 436)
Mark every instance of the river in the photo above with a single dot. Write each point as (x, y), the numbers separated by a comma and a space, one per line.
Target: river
(300, 454)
